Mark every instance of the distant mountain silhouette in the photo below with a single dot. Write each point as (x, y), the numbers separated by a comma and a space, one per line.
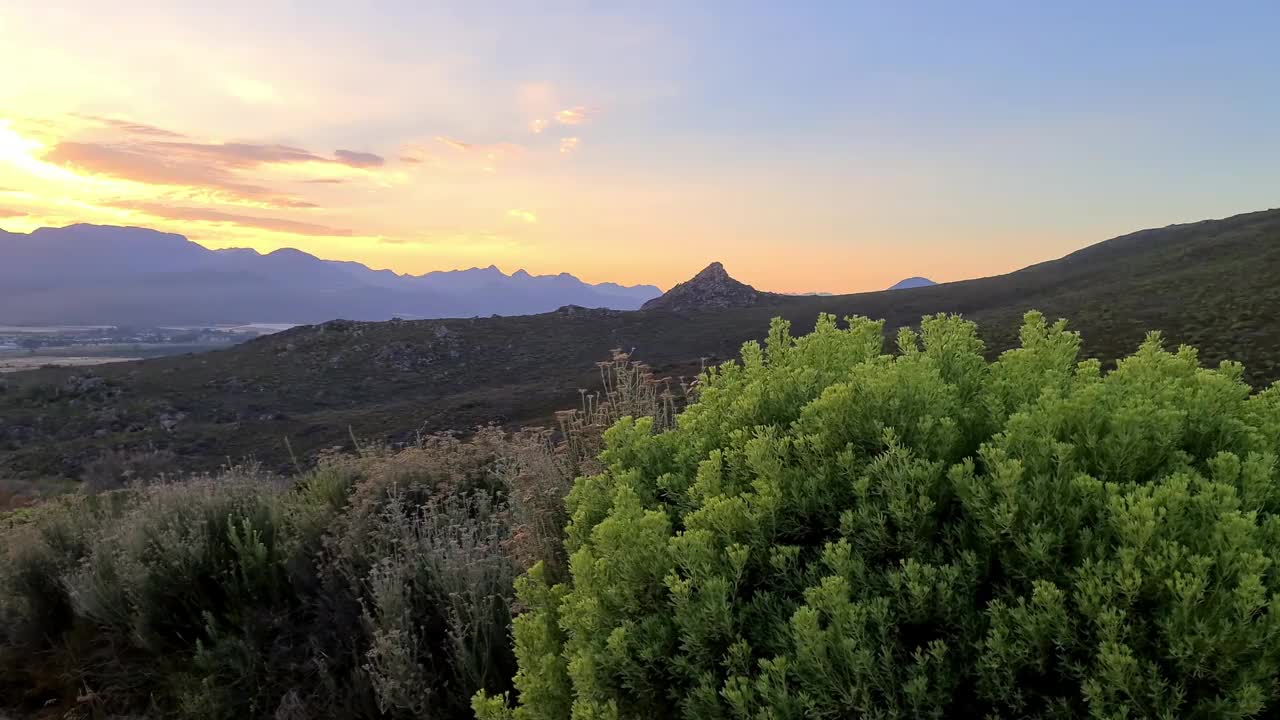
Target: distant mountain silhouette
(95, 274)
(712, 288)
(912, 282)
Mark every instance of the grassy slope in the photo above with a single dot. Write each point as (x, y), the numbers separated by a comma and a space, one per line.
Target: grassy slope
(1211, 284)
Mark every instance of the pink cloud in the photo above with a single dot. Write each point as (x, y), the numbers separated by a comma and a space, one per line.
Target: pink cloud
(147, 164)
(132, 128)
(171, 212)
(455, 144)
(148, 154)
(355, 159)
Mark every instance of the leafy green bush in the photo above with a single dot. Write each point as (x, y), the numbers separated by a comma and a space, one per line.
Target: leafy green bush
(830, 531)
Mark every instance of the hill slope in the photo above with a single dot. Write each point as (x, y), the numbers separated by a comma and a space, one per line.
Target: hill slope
(1210, 284)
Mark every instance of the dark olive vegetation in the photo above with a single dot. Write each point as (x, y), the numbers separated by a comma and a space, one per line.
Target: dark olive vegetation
(1210, 284)
(833, 532)
(377, 585)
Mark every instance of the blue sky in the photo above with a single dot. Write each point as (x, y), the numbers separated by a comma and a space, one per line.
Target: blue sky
(811, 146)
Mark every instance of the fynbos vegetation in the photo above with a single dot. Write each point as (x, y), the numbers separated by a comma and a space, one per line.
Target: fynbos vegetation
(376, 585)
(830, 532)
(822, 529)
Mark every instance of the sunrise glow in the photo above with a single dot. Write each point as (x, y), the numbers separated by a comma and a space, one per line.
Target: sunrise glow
(401, 147)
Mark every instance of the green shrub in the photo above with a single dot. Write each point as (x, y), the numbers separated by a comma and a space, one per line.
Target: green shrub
(830, 531)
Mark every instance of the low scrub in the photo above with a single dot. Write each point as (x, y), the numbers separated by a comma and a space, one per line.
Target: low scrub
(376, 585)
(832, 531)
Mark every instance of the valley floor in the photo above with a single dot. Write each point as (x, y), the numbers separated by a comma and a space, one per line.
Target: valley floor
(30, 362)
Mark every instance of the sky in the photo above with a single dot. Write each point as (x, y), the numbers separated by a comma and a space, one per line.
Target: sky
(808, 146)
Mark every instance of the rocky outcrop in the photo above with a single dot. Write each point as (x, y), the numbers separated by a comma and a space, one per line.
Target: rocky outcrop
(710, 289)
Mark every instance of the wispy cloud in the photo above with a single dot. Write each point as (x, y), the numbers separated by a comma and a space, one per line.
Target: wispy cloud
(131, 127)
(354, 159)
(461, 155)
(7, 213)
(572, 116)
(171, 212)
(455, 144)
(143, 153)
(568, 145)
(537, 125)
(523, 216)
(237, 155)
(150, 165)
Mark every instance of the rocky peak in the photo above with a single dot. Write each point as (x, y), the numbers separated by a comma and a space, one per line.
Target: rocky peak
(712, 288)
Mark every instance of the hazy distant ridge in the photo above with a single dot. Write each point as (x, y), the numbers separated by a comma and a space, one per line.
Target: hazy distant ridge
(912, 282)
(96, 274)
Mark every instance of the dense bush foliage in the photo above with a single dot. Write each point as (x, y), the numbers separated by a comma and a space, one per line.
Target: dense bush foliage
(831, 531)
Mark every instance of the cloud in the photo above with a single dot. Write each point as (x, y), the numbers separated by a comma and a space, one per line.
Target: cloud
(132, 128)
(523, 215)
(537, 126)
(572, 116)
(324, 181)
(461, 155)
(146, 164)
(354, 159)
(210, 166)
(6, 213)
(171, 212)
(240, 155)
(455, 144)
(568, 145)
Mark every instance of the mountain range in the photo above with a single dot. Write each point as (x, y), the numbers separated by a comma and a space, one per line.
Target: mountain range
(95, 274)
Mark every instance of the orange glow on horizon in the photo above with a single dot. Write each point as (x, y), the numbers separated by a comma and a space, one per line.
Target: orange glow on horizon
(489, 209)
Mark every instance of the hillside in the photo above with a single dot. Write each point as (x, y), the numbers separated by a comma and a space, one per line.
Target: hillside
(96, 274)
(1210, 284)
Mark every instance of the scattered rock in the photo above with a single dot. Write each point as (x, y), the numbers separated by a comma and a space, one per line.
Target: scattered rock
(585, 311)
(83, 384)
(402, 356)
(169, 421)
